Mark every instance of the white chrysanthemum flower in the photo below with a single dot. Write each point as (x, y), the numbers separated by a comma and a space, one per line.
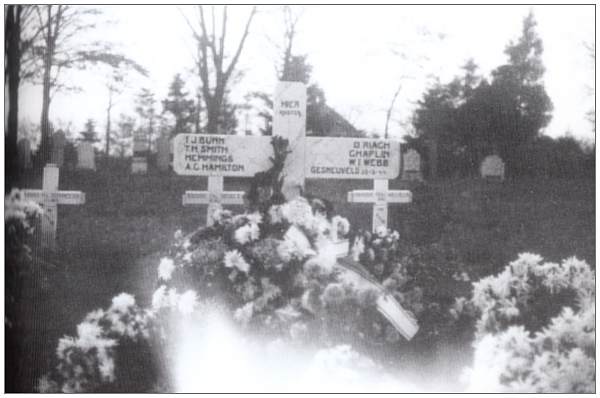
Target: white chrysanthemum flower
(318, 225)
(341, 225)
(295, 245)
(358, 248)
(297, 211)
(122, 302)
(187, 257)
(220, 215)
(276, 214)
(381, 231)
(89, 336)
(395, 235)
(247, 233)
(159, 298)
(178, 235)
(254, 218)
(244, 314)
(165, 268)
(187, 302)
(64, 344)
(234, 259)
(106, 366)
(326, 255)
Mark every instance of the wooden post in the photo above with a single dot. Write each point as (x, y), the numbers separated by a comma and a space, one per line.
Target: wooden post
(289, 121)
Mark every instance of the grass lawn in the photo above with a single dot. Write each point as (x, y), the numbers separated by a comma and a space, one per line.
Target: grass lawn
(113, 243)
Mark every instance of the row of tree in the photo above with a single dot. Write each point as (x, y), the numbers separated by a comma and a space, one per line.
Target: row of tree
(457, 124)
(41, 46)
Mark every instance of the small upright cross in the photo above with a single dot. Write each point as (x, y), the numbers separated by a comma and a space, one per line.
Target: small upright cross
(49, 197)
(380, 196)
(214, 196)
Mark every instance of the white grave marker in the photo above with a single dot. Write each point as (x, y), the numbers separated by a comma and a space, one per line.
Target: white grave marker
(86, 156)
(411, 166)
(492, 167)
(49, 197)
(139, 165)
(380, 196)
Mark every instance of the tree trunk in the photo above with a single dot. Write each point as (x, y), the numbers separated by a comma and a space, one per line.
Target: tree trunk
(13, 61)
(108, 109)
(44, 151)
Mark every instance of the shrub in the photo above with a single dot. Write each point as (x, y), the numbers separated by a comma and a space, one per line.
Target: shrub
(535, 328)
(20, 217)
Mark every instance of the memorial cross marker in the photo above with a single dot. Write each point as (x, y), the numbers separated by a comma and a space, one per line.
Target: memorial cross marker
(380, 196)
(312, 157)
(49, 197)
(217, 156)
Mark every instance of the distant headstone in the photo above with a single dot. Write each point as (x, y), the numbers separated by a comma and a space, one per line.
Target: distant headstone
(139, 165)
(492, 167)
(141, 147)
(24, 149)
(85, 156)
(140, 143)
(58, 148)
(411, 169)
(163, 157)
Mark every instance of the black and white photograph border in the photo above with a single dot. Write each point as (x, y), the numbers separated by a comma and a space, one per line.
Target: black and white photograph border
(307, 198)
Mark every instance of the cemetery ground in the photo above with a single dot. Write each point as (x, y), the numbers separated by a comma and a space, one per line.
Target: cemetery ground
(113, 242)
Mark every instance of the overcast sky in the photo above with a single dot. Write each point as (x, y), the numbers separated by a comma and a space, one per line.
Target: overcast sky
(359, 54)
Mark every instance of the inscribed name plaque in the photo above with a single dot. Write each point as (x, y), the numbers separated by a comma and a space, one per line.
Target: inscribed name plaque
(352, 158)
(221, 155)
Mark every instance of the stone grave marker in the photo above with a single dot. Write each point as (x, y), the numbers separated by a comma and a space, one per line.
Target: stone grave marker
(411, 169)
(49, 197)
(85, 156)
(141, 147)
(58, 148)
(24, 149)
(492, 167)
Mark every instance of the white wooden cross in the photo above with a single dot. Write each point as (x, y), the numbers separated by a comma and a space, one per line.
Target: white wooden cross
(309, 157)
(214, 197)
(49, 197)
(380, 196)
